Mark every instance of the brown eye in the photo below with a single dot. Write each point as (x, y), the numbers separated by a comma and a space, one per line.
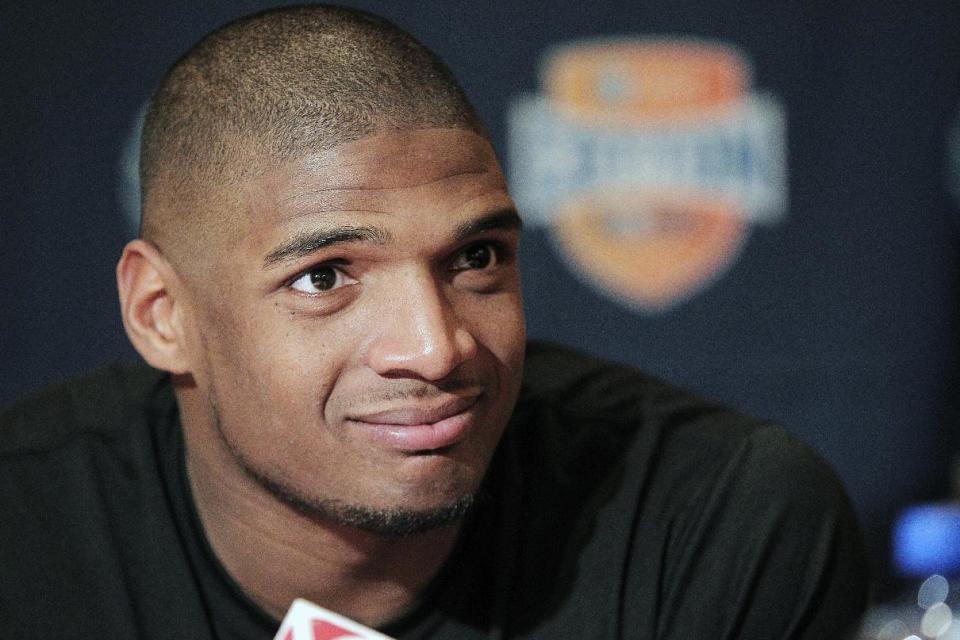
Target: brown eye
(477, 256)
(323, 278)
(320, 279)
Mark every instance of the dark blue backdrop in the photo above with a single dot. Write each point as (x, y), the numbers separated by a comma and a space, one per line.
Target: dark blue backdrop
(839, 320)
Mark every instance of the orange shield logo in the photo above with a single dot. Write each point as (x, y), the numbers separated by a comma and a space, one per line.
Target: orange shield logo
(649, 160)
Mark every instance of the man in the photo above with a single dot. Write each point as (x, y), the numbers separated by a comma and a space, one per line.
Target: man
(327, 273)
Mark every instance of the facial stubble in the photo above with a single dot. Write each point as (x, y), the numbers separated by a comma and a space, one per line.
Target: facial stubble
(387, 522)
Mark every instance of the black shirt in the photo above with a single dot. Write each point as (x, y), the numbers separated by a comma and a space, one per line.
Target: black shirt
(617, 506)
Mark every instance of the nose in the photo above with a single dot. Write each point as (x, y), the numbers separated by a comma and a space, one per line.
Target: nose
(422, 336)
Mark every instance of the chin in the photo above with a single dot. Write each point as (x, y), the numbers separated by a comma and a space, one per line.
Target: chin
(400, 521)
(424, 505)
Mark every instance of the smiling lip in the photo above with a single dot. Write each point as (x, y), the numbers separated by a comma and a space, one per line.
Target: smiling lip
(419, 428)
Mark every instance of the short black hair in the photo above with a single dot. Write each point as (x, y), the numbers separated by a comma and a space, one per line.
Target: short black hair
(281, 83)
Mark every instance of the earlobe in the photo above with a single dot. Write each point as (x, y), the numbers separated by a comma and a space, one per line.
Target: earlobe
(151, 311)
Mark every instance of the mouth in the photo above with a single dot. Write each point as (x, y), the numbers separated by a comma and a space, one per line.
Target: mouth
(422, 427)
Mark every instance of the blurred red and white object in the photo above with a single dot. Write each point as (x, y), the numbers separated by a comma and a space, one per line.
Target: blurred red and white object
(307, 621)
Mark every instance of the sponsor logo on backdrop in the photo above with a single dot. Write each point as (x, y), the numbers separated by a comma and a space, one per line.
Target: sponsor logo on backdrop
(128, 180)
(953, 158)
(649, 159)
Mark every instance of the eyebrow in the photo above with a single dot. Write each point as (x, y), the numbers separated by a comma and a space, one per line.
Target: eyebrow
(502, 219)
(308, 242)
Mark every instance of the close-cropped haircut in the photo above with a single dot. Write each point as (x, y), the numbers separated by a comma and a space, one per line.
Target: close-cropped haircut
(279, 84)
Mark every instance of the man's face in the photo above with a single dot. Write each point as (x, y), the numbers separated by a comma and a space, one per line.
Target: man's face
(360, 339)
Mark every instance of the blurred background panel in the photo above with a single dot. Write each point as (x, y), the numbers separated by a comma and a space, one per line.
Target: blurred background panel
(754, 199)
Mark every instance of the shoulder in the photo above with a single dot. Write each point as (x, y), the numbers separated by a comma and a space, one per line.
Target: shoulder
(701, 502)
(581, 395)
(584, 423)
(101, 405)
(87, 524)
(766, 532)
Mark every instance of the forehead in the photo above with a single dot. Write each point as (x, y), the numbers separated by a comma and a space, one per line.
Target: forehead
(379, 174)
(392, 158)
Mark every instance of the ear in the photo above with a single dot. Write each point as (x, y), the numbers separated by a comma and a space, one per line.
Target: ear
(152, 313)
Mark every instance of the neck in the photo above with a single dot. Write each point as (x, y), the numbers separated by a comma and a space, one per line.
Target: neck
(276, 553)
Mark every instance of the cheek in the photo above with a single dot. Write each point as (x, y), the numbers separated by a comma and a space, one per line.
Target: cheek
(272, 391)
(497, 322)
(269, 366)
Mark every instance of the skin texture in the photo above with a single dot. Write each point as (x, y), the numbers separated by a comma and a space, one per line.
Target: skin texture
(290, 395)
